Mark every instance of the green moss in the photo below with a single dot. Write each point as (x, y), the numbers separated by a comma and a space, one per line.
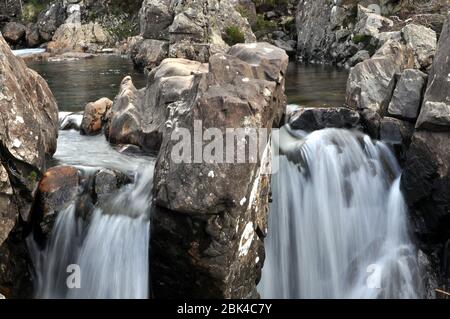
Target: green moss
(234, 35)
(362, 38)
(263, 25)
(242, 11)
(32, 8)
(32, 178)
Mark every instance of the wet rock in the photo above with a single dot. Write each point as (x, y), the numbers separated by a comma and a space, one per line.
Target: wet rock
(311, 119)
(426, 185)
(94, 116)
(124, 121)
(435, 112)
(407, 98)
(58, 189)
(359, 57)
(210, 218)
(422, 41)
(70, 121)
(429, 277)
(396, 131)
(14, 32)
(107, 182)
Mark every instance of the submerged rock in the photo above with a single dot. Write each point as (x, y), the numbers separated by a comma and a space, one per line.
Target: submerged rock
(94, 116)
(209, 218)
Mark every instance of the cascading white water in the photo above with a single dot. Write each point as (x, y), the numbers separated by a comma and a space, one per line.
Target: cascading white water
(337, 225)
(111, 250)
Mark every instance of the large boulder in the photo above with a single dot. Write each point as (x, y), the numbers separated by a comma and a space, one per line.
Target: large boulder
(28, 133)
(210, 217)
(407, 98)
(94, 116)
(139, 116)
(422, 41)
(435, 112)
(371, 83)
(14, 32)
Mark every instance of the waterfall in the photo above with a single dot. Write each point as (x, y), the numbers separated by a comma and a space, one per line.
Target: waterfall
(338, 225)
(111, 249)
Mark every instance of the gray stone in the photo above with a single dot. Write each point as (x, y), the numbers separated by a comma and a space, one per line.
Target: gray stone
(359, 57)
(311, 119)
(148, 54)
(396, 131)
(155, 18)
(407, 98)
(435, 112)
(422, 41)
(50, 19)
(14, 32)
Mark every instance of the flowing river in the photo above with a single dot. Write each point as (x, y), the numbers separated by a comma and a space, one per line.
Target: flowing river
(337, 224)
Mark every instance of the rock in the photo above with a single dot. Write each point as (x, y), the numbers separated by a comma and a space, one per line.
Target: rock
(139, 117)
(359, 57)
(370, 22)
(32, 37)
(78, 37)
(422, 41)
(14, 32)
(435, 112)
(155, 18)
(2, 297)
(371, 83)
(28, 133)
(148, 54)
(426, 185)
(429, 277)
(311, 119)
(94, 116)
(384, 37)
(285, 46)
(107, 182)
(405, 103)
(50, 19)
(58, 189)
(371, 122)
(70, 121)
(29, 136)
(124, 122)
(396, 131)
(209, 218)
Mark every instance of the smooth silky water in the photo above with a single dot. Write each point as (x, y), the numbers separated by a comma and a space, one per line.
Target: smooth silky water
(337, 224)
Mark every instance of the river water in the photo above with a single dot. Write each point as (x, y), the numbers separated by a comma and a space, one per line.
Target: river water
(337, 225)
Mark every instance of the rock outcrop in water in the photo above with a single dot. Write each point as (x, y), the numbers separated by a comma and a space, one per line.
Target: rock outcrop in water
(94, 116)
(28, 133)
(209, 218)
(193, 30)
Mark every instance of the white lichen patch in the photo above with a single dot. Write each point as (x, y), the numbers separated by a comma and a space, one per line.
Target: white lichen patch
(246, 239)
(19, 119)
(211, 174)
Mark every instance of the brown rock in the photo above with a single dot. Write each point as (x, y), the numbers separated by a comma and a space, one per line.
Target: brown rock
(94, 116)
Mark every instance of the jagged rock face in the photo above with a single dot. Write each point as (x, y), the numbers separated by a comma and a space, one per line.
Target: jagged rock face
(371, 83)
(94, 116)
(423, 41)
(194, 30)
(312, 119)
(426, 185)
(147, 54)
(28, 133)
(139, 116)
(407, 98)
(78, 37)
(435, 113)
(209, 218)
